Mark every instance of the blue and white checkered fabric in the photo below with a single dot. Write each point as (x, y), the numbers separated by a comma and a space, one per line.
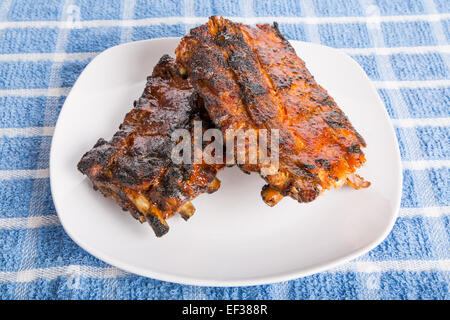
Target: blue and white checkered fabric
(403, 45)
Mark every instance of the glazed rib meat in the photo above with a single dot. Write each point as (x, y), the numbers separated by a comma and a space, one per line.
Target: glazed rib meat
(135, 168)
(251, 78)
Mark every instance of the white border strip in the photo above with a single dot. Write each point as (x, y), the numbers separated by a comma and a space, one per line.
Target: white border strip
(411, 84)
(378, 84)
(24, 174)
(80, 56)
(421, 122)
(75, 271)
(399, 123)
(430, 212)
(52, 220)
(65, 271)
(27, 132)
(396, 50)
(29, 222)
(51, 56)
(201, 20)
(44, 173)
(425, 164)
(35, 92)
(395, 265)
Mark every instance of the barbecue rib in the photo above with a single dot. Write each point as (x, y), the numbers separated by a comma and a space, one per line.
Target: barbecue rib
(135, 168)
(251, 78)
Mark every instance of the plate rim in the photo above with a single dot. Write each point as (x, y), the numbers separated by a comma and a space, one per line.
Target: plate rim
(189, 280)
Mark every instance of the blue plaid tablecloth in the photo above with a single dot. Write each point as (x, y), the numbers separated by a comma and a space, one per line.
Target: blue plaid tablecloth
(403, 45)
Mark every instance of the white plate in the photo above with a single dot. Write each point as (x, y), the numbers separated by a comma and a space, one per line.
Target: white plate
(233, 238)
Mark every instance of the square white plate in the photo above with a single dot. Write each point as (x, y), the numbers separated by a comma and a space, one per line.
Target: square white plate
(233, 238)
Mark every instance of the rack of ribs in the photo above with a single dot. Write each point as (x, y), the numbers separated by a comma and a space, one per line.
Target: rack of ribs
(135, 168)
(251, 78)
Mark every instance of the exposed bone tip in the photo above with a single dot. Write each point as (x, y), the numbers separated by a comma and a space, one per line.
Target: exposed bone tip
(214, 186)
(159, 225)
(357, 182)
(270, 195)
(187, 211)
